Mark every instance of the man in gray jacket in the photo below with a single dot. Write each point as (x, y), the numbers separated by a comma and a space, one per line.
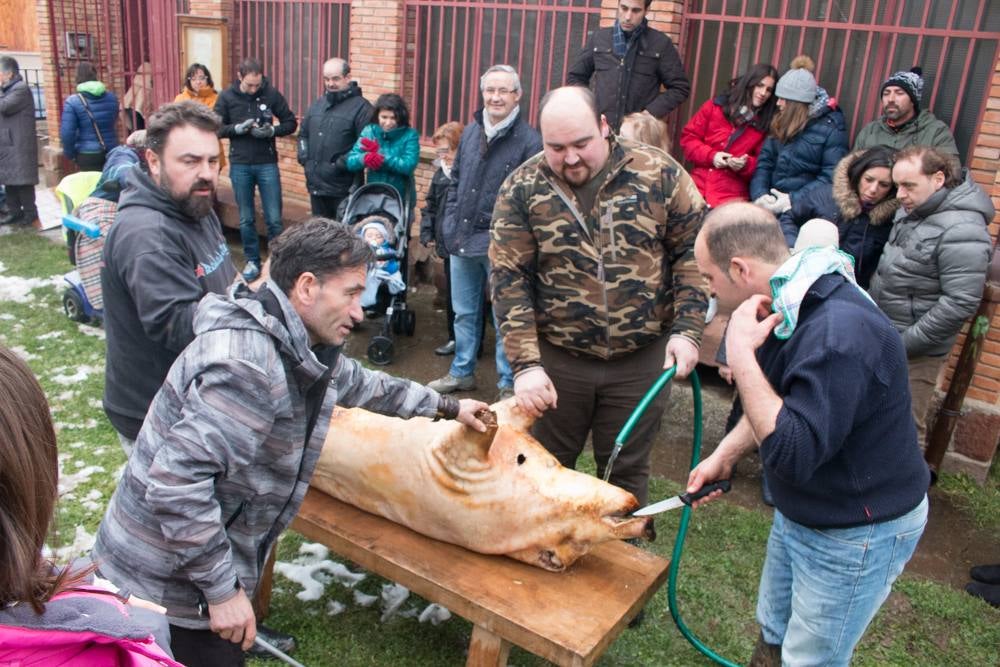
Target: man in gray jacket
(931, 274)
(230, 443)
(18, 145)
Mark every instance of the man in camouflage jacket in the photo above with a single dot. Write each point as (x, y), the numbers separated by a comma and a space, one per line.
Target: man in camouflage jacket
(594, 283)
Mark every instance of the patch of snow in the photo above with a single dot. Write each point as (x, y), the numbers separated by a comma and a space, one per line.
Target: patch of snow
(83, 542)
(18, 290)
(434, 614)
(7, 316)
(334, 608)
(23, 353)
(315, 550)
(82, 373)
(393, 597)
(93, 501)
(69, 482)
(313, 577)
(51, 334)
(96, 332)
(67, 396)
(96, 404)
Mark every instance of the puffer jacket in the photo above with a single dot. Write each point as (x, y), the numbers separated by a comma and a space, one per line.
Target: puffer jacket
(707, 133)
(432, 214)
(479, 170)
(862, 233)
(400, 147)
(924, 130)
(607, 294)
(221, 465)
(76, 130)
(931, 274)
(267, 104)
(329, 130)
(633, 83)
(18, 138)
(808, 160)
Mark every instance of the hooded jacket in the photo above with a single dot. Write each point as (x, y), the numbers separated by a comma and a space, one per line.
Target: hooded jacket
(330, 128)
(707, 133)
(924, 130)
(479, 170)
(208, 97)
(633, 83)
(76, 130)
(933, 268)
(18, 139)
(400, 147)
(158, 264)
(234, 106)
(222, 463)
(862, 233)
(807, 161)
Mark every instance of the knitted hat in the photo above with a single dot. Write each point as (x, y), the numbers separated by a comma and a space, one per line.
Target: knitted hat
(912, 82)
(798, 84)
(375, 224)
(816, 232)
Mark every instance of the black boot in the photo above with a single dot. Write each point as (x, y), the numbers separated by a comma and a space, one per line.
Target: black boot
(279, 640)
(986, 574)
(988, 592)
(765, 655)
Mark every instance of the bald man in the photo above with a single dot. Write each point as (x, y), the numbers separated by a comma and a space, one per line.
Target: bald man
(822, 379)
(594, 283)
(329, 130)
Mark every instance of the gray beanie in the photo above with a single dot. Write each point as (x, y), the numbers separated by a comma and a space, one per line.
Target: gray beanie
(798, 85)
(911, 82)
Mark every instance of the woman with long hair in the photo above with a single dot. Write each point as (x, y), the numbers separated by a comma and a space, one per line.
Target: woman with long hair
(861, 201)
(94, 627)
(808, 139)
(723, 139)
(388, 149)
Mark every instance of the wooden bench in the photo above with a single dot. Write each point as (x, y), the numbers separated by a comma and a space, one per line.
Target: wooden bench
(569, 618)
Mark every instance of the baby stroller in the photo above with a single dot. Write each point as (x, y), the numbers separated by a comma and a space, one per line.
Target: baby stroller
(381, 199)
(78, 302)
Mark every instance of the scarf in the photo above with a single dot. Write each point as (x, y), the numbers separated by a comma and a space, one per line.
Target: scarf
(493, 131)
(793, 279)
(620, 41)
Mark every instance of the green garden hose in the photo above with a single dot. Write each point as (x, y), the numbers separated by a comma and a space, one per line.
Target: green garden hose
(675, 559)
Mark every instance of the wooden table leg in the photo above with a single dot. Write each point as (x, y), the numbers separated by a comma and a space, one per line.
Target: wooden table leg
(262, 596)
(487, 649)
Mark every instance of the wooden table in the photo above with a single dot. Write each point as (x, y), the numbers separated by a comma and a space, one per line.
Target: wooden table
(569, 618)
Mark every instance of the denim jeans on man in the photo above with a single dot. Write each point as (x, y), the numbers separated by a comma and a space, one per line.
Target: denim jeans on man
(821, 587)
(469, 276)
(267, 179)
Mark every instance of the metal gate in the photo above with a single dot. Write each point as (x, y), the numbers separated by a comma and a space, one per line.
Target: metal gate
(448, 43)
(856, 44)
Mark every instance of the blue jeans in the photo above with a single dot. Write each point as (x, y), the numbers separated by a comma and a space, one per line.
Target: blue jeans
(268, 181)
(820, 588)
(469, 276)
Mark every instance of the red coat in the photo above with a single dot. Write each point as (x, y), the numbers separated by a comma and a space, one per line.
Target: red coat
(707, 133)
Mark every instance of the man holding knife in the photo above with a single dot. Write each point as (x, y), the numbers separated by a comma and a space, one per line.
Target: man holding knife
(822, 381)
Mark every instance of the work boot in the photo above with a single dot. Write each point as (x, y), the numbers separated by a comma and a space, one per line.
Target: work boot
(446, 349)
(449, 383)
(988, 592)
(283, 642)
(765, 655)
(987, 574)
(11, 218)
(251, 271)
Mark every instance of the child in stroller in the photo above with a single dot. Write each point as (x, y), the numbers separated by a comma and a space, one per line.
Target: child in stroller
(376, 230)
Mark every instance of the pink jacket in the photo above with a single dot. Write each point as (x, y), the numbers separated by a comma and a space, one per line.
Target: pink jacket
(84, 626)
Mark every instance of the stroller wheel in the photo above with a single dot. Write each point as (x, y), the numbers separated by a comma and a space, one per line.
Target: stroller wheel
(380, 350)
(397, 321)
(73, 306)
(409, 322)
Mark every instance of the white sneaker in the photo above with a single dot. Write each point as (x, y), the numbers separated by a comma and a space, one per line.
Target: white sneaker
(251, 272)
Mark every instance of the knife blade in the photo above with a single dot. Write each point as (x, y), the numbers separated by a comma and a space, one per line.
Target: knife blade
(683, 499)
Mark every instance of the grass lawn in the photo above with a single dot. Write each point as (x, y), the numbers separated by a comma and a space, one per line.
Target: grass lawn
(922, 623)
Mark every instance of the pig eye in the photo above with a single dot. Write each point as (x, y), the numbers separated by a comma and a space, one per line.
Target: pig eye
(520, 459)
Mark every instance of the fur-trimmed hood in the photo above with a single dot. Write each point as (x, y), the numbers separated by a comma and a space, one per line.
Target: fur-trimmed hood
(847, 198)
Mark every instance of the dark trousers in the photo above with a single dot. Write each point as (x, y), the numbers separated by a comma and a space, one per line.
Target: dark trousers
(325, 206)
(597, 397)
(204, 648)
(90, 161)
(21, 202)
(451, 308)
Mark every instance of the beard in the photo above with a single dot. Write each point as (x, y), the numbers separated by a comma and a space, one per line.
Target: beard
(192, 205)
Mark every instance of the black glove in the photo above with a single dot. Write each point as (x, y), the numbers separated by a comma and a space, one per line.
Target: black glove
(243, 127)
(263, 132)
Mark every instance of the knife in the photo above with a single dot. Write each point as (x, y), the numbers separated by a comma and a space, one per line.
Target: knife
(683, 499)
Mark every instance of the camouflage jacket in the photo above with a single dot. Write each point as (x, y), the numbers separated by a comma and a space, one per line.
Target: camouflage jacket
(605, 294)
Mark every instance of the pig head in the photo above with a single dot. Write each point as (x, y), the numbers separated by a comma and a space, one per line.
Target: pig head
(498, 492)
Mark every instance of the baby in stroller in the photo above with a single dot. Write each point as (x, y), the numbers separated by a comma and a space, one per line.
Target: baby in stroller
(377, 232)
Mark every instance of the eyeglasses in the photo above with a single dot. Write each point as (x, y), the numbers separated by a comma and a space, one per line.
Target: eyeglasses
(198, 78)
(503, 92)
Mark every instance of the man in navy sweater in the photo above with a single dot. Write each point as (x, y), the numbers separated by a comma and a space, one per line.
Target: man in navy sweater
(824, 394)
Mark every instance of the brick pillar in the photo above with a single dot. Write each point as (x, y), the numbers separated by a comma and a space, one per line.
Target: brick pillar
(376, 44)
(974, 443)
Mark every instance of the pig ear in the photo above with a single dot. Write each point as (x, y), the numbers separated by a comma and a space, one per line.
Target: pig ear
(508, 414)
(463, 442)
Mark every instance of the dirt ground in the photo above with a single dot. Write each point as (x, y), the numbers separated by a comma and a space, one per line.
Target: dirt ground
(949, 547)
